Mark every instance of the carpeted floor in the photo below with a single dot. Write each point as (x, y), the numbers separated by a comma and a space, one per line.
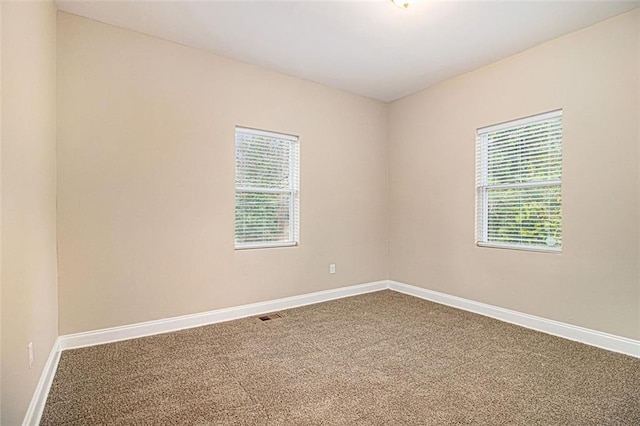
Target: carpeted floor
(378, 359)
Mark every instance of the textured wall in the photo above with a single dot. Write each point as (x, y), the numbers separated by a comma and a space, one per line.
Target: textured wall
(29, 269)
(593, 75)
(146, 180)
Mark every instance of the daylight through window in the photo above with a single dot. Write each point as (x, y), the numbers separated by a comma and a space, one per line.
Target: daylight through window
(266, 213)
(519, 183)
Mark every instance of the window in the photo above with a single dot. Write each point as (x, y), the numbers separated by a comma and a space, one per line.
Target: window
(266, 189)
(518, 184)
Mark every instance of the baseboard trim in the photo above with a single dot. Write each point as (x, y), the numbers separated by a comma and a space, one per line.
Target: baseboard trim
(71, 341)
(584, 335)
(39, 399)
(108, 335)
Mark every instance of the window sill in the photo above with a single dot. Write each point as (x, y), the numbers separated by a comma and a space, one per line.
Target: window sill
(266, 245)
(556, 250)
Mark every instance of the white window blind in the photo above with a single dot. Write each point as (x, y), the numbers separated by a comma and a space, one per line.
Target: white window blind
(518, 183)
(267, 165)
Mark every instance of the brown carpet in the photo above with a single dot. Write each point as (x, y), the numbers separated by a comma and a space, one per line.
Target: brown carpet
(377, 359)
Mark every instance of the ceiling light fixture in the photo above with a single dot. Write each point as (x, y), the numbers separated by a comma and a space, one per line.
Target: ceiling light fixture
(403, 4)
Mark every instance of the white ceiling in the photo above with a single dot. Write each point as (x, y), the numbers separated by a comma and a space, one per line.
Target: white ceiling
(371, 48)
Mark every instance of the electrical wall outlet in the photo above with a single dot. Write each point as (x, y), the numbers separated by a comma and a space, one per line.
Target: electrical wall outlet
(30, 351)
(332, 268)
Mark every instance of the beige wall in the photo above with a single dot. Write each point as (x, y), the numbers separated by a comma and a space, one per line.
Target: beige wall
(29, 271)
(145, 154)
(593, 75)
(145, 221)
(146, 180)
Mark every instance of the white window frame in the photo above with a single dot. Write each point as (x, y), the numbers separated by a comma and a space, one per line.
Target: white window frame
(293, 189)
(482, 186)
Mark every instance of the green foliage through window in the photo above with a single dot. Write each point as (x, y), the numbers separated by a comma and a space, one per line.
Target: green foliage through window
(266, 189)
(518, 183)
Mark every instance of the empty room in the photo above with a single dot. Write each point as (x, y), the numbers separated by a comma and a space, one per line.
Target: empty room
(319, 212)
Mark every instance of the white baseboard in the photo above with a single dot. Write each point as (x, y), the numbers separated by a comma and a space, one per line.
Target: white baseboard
(579, 334)
(108, 335)
(584, 335)
(36, 407)
(71, 341)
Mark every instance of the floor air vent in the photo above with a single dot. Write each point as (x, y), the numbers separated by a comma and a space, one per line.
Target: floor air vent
(269, 317)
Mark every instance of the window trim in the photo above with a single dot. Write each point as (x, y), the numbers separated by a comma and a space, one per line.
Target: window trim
(293, 190)
(517, 247)
(482, 189)
(520, 121)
